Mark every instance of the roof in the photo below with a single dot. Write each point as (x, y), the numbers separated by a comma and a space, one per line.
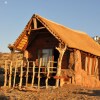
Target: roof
(72, 38)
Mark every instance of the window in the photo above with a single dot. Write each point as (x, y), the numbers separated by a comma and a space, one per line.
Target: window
(45, 55)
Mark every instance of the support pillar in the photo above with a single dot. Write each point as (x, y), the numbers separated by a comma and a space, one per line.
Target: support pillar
(61, 49)
(78, 67)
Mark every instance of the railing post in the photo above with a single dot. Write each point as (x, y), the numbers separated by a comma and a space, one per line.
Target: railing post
(10, 75)
(5, 76)
(15, 74)
(48, 66)
(27, 72)
(33, 74)
(21, 75)
(39, 73)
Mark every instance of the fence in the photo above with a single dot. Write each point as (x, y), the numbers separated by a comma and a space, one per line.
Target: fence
(18, 73)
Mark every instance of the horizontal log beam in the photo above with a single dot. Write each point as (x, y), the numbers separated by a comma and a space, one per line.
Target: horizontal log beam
(35, 29)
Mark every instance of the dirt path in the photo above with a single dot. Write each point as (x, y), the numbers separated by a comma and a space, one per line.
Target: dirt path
(67, 92)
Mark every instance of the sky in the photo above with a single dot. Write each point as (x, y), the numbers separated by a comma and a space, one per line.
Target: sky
(82, 15)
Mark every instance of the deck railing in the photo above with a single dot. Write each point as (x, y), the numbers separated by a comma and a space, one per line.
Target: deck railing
(17, 73)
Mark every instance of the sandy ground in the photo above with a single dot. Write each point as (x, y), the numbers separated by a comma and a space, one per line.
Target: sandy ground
(67, 92)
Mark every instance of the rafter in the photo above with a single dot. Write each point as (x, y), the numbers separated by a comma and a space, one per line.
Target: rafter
(35, 23)
(36, 29)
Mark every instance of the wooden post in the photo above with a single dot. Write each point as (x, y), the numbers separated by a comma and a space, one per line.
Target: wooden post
(21, 75)
(93, 65)
(39, 73)
(27, 72)
(78, 67)
(12, 54)
(90, 67)
(33, 74)
(96, 69)
(48, 66)
(61, 49)
(86, 62)
(10, 75)
(5, 79)
(15, 74)
(35, 23)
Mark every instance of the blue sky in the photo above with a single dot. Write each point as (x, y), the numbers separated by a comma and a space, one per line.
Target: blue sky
(82, 15)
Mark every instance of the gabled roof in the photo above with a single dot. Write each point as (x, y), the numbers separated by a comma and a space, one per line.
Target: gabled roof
(72, 38)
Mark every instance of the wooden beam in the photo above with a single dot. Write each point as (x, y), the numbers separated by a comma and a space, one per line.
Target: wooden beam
(88, 65)
(10, 75)
(27, 73)
(35, 23)
(96, 69)
(15, 75)
(33, 76)
(39, 73)
(29, 24)
(48, 72)
(93, 65)
(61, 49)
(35, 29)
(5, 79)
(21, 75)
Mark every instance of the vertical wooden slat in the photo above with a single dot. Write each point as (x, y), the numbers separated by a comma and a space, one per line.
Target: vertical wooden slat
(86, 61)
(33, 74)
(93, 65)
(88, 64)
(5, 79)
(10, 75)
(15, 75)
(96, 69)
(21, 75)
(39, 73)
(48, 66)
(27, 73)
(57, 74)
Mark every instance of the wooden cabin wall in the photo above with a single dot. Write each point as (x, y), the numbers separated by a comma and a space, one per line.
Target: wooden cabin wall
(78, 63)
(41, 41)
(90, 64)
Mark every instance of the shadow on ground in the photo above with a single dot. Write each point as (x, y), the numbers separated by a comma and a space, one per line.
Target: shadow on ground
(89, 92)
(3, 97)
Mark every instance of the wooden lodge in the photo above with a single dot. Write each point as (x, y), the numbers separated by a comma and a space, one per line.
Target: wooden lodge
(54, 53)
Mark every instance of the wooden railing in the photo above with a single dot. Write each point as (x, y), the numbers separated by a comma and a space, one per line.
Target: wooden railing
(15, 69)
